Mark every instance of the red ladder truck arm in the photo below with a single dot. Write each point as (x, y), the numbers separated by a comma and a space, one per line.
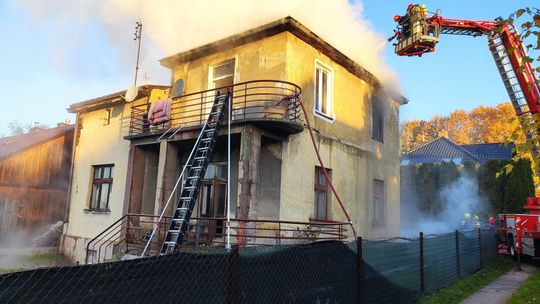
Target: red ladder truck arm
(418, 33)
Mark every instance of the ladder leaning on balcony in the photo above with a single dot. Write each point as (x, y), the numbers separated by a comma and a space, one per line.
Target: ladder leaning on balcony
(198, 163)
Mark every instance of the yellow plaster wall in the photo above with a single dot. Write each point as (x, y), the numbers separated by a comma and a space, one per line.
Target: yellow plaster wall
(99, 144)
(262, 59)
(345, 145)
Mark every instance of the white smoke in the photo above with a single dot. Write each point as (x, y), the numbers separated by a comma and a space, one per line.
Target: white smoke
(458, 198)
(172, 26)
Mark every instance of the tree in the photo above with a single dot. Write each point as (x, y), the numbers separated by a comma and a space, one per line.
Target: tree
(448, 173)
(470, 168)
(18, 128)
(427, 186)
(518, 186)
(484, 124)
(490, 185)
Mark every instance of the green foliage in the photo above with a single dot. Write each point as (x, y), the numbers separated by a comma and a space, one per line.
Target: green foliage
(448, 173)
(518, 186)
(489, 184)
(528, 292)
(470, 168)
(427, 184)
(506, 191)
(506, 184)
(421, 184)
(460, 290)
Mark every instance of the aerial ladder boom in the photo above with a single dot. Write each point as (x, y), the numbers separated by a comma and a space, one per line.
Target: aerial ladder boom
(418, 33)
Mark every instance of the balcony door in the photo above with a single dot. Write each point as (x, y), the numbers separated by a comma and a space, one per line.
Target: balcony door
(221, 75)
(213, 205)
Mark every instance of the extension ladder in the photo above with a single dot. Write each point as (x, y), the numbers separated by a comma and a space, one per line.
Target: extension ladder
(197, 167)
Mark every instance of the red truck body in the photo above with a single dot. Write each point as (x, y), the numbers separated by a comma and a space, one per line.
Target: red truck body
(521, 231)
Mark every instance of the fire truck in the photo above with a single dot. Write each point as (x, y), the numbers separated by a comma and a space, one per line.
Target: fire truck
(418, 32)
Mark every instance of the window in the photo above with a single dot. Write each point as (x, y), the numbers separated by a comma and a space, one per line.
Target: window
(377, 119)
(222, 74)
(321, 201)
(378, 203)
(101, 187)
(324, 91)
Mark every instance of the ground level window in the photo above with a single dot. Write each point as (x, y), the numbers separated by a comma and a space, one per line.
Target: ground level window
(101, 187)
(322, 198)
(378, 203)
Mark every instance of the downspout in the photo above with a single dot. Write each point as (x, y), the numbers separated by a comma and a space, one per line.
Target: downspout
(70, 181)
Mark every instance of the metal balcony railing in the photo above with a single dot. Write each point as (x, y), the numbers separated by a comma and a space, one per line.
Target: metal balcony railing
(128, 236)
(259, 100)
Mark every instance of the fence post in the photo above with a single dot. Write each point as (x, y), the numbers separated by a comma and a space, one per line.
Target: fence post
(359, 270)
(480, 247)
(234, 259)
(458, 261)
(422, 281)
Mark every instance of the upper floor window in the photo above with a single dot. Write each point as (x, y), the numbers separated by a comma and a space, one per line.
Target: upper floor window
(324, 91)
(222, 74)
(322, 197)
(378, 203)
(377, 119)
(101, 187)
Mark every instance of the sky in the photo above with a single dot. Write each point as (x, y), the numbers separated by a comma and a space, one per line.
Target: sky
(52, 55)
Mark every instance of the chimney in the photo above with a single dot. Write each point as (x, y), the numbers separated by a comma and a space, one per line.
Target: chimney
(443, 133)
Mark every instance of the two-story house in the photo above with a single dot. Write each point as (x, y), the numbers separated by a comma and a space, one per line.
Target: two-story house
(125, 166)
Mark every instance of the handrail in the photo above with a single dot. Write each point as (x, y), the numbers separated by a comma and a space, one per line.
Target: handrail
(100, 234)
(130, 239)
(251, 100)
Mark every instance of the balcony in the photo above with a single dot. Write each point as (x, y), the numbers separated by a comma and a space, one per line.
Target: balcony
(127, 237)
(270, 104)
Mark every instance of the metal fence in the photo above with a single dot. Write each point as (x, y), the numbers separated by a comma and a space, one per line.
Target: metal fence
(382, 271)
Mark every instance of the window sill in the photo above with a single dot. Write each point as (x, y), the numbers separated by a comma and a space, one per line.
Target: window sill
(325, 221)
(97, 211)
(378, 140)
(324, 116)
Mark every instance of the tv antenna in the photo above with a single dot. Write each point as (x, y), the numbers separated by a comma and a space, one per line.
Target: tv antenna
(138, 32)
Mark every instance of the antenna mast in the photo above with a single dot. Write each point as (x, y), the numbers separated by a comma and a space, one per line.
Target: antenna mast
(138, 32)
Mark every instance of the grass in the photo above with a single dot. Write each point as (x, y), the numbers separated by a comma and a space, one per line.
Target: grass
(33, 261)
(529, 292)
(465, 287)
(44, 258)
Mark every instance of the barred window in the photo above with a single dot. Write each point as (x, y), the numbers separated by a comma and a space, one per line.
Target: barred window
(322, 198)
(101, 187)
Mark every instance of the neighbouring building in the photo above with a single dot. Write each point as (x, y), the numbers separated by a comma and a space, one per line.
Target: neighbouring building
(442, 149)
(125, 167)
(34, 180)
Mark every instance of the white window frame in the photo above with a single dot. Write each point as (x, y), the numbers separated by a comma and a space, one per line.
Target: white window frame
(329, 115)
(212, 66)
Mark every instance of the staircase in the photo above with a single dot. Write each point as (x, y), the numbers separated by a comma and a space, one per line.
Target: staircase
(197, 165)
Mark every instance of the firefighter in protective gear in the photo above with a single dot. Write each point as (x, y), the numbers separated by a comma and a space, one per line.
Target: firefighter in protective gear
(476, 221)
(466, 221)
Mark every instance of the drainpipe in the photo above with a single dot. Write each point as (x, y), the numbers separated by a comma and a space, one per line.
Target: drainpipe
(70, 183)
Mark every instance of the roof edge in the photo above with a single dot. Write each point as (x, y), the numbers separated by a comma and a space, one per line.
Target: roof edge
(281, 25)
(90, 104)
